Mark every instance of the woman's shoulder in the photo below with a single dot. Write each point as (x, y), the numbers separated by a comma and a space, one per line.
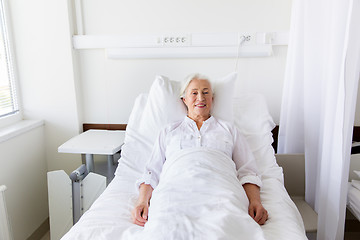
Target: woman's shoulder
(229, 127)
(172, 126)
(226, 124)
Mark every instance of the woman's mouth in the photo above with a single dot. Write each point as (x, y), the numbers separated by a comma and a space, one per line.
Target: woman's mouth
(200, 105)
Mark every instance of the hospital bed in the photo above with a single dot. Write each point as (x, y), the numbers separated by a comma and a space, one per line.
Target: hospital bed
(109, 217)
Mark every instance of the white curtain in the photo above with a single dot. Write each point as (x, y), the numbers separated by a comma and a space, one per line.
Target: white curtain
(318, 104)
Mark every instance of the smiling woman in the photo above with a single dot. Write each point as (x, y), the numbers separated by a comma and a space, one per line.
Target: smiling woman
(198, 99)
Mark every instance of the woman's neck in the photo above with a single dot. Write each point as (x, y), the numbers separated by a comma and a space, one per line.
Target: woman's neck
(199, 120)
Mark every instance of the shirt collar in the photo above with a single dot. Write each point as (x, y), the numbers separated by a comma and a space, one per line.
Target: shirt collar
(208, 121)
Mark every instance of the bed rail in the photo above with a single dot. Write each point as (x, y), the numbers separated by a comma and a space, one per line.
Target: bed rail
(76, 181)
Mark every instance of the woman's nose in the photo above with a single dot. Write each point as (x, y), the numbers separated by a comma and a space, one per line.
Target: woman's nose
(201, 96)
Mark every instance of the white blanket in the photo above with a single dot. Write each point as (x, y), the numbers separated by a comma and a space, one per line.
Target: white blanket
(198, 197)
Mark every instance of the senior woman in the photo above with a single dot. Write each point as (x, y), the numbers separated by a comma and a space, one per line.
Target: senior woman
(197, 95)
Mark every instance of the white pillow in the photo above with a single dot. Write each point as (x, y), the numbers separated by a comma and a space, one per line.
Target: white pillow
(136, 149)
(251, 114)
(164, 105)
(252, 118)
(223, 97)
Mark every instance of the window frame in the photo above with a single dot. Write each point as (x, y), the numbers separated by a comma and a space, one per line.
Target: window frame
(17, 116)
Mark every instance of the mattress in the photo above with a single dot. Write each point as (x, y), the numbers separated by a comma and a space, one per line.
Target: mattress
(110, 215)
(353, 200)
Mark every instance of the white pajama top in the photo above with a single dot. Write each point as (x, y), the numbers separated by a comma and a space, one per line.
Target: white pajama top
(215, 134)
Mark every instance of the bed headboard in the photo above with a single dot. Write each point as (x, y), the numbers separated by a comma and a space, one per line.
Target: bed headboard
(88, 126)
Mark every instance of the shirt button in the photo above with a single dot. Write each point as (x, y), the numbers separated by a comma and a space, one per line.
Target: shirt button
(199, 137)
(149, 172)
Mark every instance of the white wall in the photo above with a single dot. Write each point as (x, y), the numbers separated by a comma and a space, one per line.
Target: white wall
(23, 171)
(110, 86)
(45, 60)
(49, 91)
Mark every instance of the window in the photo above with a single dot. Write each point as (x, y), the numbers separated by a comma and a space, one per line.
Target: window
(8, 98)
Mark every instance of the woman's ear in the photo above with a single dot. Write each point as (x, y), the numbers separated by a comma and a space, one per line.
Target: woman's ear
(183, 99)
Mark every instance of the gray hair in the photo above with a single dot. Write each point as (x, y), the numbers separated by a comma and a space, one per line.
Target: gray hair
(185, 83)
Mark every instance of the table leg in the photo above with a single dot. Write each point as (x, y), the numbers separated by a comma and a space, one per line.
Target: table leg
(77, 201)
(110, 159)
(89, 162)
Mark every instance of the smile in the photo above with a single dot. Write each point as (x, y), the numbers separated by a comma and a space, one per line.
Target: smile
(200, 105)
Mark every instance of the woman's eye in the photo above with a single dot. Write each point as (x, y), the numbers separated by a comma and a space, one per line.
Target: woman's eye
(194, 93)
(205, 92)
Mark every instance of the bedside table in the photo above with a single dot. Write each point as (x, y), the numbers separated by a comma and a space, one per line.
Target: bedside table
(102, 142)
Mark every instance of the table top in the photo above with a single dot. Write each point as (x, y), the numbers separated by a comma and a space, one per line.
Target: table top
(105, 142)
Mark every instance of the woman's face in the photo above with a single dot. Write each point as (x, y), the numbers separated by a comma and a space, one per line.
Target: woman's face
(198, 98)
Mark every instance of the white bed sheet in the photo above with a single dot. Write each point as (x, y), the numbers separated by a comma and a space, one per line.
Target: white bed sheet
(353, 200)
(110, 214)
